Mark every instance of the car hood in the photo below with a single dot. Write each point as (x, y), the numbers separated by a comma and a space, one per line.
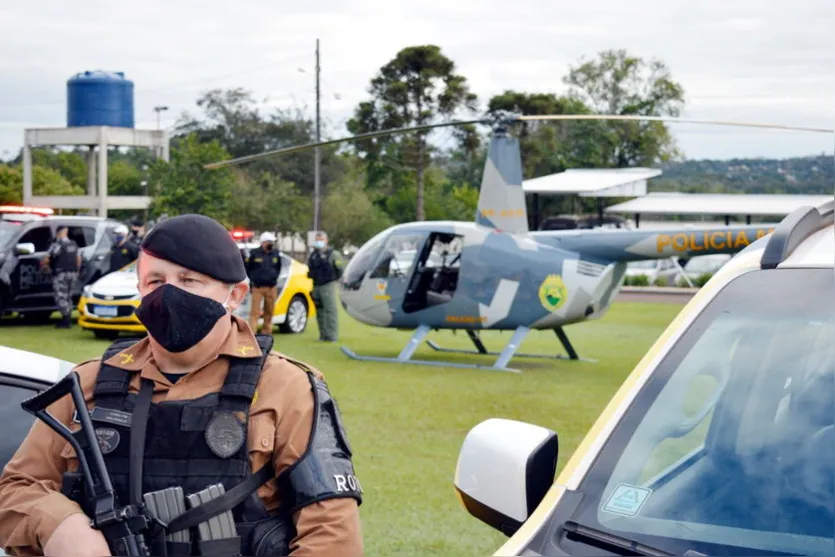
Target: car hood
(30, 365)
(119, 283)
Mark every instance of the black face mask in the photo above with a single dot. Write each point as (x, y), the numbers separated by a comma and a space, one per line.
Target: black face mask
(269, 247)
(177, 319)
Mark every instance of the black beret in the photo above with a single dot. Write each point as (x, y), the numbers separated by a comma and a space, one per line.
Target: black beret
(198, 243)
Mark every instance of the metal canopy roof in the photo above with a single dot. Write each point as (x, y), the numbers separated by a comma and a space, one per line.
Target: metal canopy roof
(593, 182)
(673, 203)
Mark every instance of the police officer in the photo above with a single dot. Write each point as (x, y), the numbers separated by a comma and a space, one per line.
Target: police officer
(124, 250)
(325, 269)
(263, 267)
(137, 229)
(64, 262)
(206, 402)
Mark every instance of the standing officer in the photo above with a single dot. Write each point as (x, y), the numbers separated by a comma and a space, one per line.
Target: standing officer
(124, 251)
(215, 404)
(263, 267)
(325, 269)
(64, 262)
(137, 229)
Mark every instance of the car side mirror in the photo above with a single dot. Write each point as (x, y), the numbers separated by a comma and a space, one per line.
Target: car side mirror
(504, 470)
(27, 248)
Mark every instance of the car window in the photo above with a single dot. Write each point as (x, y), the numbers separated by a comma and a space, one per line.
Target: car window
(7, 232)
(41, 236)
(16, 422)
(84, 236)
(732, 439)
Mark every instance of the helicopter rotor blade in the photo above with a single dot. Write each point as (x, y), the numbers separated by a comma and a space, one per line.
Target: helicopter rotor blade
(511, 119)
(670, 120)
(369, 135)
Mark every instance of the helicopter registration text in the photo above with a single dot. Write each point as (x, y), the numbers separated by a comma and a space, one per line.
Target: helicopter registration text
(701, 241)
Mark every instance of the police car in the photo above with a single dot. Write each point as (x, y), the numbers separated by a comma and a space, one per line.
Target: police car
(720, 442)
(25, 237)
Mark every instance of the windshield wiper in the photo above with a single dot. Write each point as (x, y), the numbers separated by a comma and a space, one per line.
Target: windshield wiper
(620, 542)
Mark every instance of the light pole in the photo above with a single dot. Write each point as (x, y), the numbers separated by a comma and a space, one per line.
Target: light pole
(159, 109)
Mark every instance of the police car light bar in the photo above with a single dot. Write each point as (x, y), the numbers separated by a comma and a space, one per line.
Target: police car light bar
(19, 209)
(240, 234)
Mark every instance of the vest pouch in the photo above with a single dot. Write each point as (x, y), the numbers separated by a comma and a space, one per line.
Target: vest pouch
(273, 536)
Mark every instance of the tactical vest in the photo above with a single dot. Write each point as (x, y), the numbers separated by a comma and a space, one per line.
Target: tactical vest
(190, 444)
(321, 267)
(65, 261)
(264, 267)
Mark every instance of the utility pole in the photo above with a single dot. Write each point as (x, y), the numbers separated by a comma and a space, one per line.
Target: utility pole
(316, 177)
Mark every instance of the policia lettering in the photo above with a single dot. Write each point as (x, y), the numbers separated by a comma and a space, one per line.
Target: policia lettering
(150, 447)
(701, 241)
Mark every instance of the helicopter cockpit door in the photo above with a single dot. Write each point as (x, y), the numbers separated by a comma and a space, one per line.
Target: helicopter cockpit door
(393, 268)
(435, 277)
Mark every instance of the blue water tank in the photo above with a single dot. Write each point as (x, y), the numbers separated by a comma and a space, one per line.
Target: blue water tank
(100, 99)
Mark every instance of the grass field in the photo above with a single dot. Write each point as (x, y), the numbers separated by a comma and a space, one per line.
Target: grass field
(407, 423)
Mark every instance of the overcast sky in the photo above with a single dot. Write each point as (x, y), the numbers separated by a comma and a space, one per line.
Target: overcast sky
(752, 60)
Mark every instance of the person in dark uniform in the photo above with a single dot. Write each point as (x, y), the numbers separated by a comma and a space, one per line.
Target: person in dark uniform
(325, 268)
(263, 267)
(209, 402)
(124, 250)
(63, 260)
(137, 229)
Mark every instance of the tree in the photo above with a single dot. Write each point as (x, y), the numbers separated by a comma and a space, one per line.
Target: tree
(416, 86)
(621, 84)
(183, 185)
(550, 147)
(268, 203)
(231, 117)
(348, 214)
(45, 181)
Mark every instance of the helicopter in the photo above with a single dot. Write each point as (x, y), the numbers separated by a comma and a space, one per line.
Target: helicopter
(494, 273)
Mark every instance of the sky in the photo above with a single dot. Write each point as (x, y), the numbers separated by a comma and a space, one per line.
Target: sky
(744, 60)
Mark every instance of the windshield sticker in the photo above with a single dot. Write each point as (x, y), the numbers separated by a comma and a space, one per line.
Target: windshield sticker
(627, 500)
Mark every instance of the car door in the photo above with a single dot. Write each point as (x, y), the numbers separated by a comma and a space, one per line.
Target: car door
(31, 285)
(16, 422)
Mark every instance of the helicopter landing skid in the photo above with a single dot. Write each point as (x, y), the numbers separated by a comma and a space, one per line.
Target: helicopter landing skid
(405, 356)
(482, 350)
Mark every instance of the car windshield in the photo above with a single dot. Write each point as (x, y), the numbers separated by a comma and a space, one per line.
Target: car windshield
(7, 232)
(729, 447)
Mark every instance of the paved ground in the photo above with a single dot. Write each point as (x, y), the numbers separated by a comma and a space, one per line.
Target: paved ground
(656, 295)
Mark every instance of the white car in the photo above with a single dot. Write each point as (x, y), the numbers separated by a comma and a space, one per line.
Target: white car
(661, 271)
(720, 442)
(22, 375)
(704, 265)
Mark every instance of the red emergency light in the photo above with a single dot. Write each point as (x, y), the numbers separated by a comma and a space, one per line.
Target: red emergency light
(241, 234)
(18, 209)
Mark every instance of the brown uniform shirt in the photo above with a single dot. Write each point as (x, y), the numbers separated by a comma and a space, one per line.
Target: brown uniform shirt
(281, 417)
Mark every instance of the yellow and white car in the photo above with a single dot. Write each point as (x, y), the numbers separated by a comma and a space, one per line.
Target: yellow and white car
(107, 306)
(720, 442)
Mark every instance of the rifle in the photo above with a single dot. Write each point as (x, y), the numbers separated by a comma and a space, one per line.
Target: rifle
(121, 525)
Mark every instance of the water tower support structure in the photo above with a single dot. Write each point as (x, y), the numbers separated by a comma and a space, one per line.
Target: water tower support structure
(93, 137)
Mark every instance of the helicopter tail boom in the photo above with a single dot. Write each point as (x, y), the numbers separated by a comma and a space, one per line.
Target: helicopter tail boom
(636, 245)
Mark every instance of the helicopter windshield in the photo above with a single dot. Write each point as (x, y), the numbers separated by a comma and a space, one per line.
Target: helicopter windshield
(398, 256)
(729, 448)
(362, 261)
